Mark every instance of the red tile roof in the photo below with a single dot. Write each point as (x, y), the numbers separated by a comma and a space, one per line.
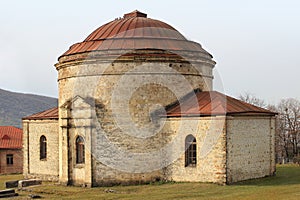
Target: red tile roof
(135, 31)
(10, 137)
(47, 114)
(212, 103)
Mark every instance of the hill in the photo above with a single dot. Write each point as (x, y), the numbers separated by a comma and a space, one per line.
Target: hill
(14, 106)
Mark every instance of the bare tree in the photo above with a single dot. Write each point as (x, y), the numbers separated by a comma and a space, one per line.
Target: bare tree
(252, 99)
(289, 126)
(289, 110)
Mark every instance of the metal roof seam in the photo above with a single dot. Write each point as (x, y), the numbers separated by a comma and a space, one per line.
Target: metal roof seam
(155, 34)
(212, 103)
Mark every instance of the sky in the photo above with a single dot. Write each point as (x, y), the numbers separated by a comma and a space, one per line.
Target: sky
(256, 43)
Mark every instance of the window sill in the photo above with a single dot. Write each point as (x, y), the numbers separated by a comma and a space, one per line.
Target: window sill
(81, 165)
(191, 166)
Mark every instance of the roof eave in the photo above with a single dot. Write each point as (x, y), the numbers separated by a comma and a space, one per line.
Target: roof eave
(252, 113)
(40, 118)
(248, 113)
(11, 148)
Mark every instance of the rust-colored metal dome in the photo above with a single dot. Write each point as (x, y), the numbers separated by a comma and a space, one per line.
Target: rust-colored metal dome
(135, 31)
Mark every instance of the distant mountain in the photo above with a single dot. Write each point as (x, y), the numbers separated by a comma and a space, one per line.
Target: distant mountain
(14, 106)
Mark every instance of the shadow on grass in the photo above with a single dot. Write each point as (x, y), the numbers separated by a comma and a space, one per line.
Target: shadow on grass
(285, 175)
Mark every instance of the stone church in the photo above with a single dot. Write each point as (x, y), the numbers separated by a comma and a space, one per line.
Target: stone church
(136, 105)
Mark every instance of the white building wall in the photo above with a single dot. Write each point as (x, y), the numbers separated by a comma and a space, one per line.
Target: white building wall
(250, 147)
(210, 134)
(46, 169)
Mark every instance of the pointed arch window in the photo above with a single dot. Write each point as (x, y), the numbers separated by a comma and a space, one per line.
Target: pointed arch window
(190, 151)
(43, 147)
(80, 159)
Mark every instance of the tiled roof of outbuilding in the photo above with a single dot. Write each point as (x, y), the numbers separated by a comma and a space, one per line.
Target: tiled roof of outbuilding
(10, 137)
(212, 103)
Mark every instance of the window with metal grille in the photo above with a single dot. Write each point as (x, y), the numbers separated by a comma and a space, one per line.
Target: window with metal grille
(9, 159)
(43, 147)
(190, 151)
(80, 150)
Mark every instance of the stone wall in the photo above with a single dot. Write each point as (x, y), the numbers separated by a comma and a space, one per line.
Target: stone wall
(124, 92)
(211, 149)
(250, 147)
(77, 121)
(104, 175)
(34, 167)
(16, 167)
(164, 155)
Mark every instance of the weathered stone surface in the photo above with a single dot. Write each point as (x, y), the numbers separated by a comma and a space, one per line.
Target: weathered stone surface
(34, 196)
(8, 193)
(210, 134)
(250, 147)
(34, 167)
(125, 91)
(11, 184)
(30, 182)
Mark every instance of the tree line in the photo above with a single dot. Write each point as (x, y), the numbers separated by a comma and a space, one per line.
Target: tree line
(287, 136)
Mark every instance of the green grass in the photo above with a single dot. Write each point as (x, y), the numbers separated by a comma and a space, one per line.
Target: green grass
(285, 185)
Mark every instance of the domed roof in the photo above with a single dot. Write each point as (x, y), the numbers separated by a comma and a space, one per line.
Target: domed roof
(135, 31)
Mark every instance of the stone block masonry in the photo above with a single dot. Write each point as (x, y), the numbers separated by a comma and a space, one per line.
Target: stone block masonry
(250, 147)
(34, 167)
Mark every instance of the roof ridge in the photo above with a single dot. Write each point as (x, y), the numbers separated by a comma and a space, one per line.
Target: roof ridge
(212, 103)
(46, 114)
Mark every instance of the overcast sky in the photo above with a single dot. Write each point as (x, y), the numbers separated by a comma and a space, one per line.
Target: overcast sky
(256, 43)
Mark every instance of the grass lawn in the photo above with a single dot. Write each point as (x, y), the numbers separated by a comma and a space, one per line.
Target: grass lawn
(285, 185)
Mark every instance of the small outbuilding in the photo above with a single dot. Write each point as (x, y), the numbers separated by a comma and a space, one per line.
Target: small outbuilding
(41, 145)
(227, 140)
(11, 154)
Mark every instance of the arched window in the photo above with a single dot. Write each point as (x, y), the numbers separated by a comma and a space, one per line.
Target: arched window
(43, 147)
(79, 150)
(190, 151)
